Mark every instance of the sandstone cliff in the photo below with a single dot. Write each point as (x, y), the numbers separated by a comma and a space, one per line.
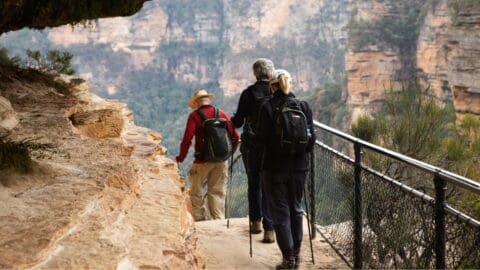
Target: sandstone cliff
(438, 43)
(449, 52)
(104, 197)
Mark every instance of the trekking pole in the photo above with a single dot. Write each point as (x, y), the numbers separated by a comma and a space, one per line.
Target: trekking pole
(250, 234)
(308, 225)
(312, 194)
(229, 199)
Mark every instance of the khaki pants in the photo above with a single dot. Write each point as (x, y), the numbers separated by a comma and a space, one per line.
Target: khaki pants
(214, 177)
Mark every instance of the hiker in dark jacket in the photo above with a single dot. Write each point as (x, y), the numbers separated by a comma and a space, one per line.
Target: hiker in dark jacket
(284, 174)
(248, 109)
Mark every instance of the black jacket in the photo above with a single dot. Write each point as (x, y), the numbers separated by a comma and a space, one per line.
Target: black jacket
(247, 112)
(274, 159)
(246, 106)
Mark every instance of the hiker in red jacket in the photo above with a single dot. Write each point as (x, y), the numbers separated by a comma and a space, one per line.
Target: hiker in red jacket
(209, 167)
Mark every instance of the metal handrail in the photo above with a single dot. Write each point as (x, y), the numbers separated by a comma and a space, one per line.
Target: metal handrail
(446, 175)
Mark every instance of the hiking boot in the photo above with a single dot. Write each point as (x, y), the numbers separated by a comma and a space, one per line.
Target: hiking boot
(286, 264)
(298, 260)
(269, 236)
(257, 227)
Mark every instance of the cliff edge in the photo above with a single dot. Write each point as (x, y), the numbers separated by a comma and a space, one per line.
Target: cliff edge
(103, 196)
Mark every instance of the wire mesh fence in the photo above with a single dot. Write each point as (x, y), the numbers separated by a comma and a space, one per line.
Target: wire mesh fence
(333, 196)
(400, 220)
(237, 190)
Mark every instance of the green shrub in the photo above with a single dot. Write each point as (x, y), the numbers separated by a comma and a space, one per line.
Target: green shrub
(5, 60)
(365, 128)
(330, 107)
(17, 155)
(55, 62)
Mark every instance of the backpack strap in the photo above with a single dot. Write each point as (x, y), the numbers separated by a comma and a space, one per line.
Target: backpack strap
(203, 115)
(217, 113)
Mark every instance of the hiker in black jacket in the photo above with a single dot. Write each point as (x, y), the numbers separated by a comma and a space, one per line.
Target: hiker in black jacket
(248, 109)
(284, 173)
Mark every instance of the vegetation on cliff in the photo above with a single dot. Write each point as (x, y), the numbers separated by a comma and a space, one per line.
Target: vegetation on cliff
(54, 62)
(329, 106)
(17, 155)
(412, 122)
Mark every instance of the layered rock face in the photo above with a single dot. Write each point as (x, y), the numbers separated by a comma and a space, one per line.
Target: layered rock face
(441, 49)
(104, 197)
(449, 52)
(217, 41)
(377, 59)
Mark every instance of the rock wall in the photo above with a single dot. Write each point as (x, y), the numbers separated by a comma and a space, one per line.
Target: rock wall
(449, 52)
(105, 197)
(380, 53)
(442, 51)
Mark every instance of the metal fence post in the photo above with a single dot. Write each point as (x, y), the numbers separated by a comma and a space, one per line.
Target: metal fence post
(312, 193)
(440, 237)
(357, 209)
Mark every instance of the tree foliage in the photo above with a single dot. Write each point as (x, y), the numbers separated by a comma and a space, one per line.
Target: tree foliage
(328, 105)
(54, 62)
(415, 123)
(411, 122)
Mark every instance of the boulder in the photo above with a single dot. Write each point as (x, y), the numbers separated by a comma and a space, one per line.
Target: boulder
(8, 117)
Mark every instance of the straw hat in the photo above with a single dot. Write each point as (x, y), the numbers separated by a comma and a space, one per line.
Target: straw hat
(199, 94)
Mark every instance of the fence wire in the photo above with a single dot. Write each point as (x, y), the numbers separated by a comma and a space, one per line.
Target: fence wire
(333, 187)
(398, 206)
(237, 190)
(398, 227)
(462, 228)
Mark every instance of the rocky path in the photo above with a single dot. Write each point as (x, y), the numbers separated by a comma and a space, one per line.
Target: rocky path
(228, 248)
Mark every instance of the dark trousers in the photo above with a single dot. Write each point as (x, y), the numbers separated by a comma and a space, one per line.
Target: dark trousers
(257, 201)
(284, 194)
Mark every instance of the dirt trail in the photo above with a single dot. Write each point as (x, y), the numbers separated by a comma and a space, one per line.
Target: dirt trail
(228, 248)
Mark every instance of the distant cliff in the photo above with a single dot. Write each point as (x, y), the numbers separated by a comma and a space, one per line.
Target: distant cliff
(436, 41)
(214, 41)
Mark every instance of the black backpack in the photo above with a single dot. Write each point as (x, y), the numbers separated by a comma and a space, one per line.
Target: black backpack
(259, 97)
(291, 127)
(217, 145)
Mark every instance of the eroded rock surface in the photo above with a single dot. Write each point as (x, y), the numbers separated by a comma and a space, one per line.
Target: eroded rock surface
(8, 117)
(94, 202)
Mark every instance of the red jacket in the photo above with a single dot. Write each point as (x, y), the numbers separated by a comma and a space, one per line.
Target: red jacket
(193, 128)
